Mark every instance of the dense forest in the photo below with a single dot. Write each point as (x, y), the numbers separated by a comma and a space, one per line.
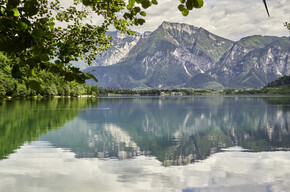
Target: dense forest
(52, 85)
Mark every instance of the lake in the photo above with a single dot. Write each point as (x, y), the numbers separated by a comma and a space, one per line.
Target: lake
(214, 143)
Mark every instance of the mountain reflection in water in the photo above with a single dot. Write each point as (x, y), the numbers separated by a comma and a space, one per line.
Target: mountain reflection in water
(177, 131)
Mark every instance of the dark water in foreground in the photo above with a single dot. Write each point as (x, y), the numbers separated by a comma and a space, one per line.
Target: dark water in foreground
(145, 144)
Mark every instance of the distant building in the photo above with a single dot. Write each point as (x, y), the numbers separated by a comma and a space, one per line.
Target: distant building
(176, 93)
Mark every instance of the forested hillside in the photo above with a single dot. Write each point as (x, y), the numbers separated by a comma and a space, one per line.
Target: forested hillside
(282, 81)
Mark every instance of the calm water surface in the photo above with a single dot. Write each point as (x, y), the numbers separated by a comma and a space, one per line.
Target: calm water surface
(145, 144)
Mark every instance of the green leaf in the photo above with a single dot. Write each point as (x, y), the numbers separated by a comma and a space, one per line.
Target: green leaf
(44, 20)
(40, 79)
(145, 4)
(127, 16)
(185, 12)
(90, 76)
(33, 73)
(131, 3)
(22, 25)
(197, 3)
(129, 7)
(44, 57)
(37, 33)
(2, 10)
(189, 4)
(182, 1)
(30, 8)
(181, 7)
(154, 2)
(51, 26)
(137, 9)
(143, 13)
(140, 21)
(16, 12)
(86, 2)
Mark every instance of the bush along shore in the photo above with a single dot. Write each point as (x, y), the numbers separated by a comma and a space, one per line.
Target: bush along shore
(73, 89)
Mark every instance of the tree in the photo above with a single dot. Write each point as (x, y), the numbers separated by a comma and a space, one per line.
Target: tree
(2, 91)
(21, 91)
(76, 89)
(67, 90)
(9, 85)
(29, 35)
(4, 65)
(50, 90)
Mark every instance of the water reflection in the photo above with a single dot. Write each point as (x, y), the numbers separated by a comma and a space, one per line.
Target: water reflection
(39, 167)
(26, 120)
(177, 131)
(148, 135)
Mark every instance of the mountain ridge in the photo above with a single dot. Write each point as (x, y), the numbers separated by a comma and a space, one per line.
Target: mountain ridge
(175, 55)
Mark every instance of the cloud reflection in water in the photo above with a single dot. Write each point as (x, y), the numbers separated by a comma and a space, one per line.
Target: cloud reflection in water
(58, 170)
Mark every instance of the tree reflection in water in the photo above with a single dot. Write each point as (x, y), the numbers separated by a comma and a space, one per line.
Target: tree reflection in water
(26, 120)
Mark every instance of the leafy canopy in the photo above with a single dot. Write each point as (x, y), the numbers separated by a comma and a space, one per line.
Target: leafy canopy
(287, 24)
(29, 33)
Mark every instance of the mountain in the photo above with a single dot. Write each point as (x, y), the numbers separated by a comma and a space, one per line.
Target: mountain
(181, 55)
(253, 62)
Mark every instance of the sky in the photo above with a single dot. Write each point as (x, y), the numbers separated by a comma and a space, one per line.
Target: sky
(232, 19)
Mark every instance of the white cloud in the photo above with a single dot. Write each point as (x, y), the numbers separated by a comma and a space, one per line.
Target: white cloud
(228, 18)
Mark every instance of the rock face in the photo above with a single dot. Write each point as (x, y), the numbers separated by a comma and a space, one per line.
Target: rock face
(181, 55)
(253, 62)
(121, 46)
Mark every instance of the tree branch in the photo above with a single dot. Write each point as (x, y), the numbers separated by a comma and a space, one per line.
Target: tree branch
(265, 3)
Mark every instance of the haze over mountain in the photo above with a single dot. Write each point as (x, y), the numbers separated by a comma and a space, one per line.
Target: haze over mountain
(180, 55)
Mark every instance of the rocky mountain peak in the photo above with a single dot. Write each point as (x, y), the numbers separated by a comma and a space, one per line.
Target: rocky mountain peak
(181, 27)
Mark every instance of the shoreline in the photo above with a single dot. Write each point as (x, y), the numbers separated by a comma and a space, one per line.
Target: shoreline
(148, 96)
